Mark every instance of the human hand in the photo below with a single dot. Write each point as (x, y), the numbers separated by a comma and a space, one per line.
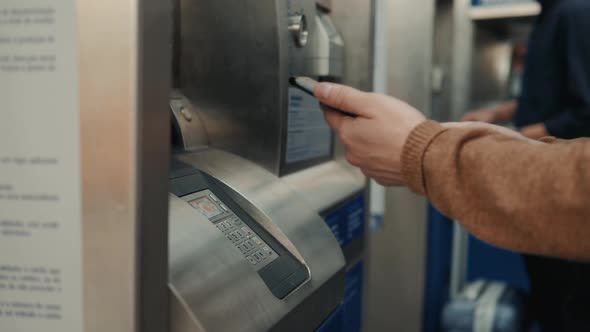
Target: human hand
(487, 115)
(535, 131)
(375, 138)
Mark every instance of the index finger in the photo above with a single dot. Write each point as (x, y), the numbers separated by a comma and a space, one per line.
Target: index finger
(344, 98)
(335, 119)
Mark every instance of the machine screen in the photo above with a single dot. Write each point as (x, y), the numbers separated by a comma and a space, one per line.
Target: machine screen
(251, 245)
(206, 207)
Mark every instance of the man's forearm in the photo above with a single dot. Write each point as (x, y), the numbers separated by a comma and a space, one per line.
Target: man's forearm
(508, 190)
(515, 193)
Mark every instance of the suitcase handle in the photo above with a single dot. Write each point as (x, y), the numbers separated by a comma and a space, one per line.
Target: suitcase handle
(485, 310)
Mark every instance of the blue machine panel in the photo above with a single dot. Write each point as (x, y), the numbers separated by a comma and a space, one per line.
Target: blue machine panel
(354, 217)
(495, 2)
(334, 221)
(353, 299)
(347, 223)
(349, 315)
(334, 322)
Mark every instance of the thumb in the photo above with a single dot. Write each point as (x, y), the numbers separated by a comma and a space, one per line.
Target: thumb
(343, 98)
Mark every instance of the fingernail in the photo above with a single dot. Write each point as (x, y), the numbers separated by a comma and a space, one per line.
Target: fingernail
(324, 90)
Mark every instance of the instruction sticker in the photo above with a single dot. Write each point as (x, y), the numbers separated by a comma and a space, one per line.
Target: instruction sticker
(40, 206)
(308, 135)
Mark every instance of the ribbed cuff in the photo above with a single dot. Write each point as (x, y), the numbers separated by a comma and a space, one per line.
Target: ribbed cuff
(413, 154)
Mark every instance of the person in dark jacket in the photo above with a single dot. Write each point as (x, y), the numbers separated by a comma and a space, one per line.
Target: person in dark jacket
(555, 101)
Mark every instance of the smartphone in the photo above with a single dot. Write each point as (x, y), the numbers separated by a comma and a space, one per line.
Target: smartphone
(303, 83)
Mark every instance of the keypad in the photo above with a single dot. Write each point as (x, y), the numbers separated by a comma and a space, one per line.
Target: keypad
(254, 249)
(245, 240)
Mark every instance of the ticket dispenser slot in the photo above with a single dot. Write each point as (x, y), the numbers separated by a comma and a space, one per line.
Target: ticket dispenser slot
(279, 269)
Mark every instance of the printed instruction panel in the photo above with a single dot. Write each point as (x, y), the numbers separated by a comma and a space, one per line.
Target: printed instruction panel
(40, 206)
(308, 135)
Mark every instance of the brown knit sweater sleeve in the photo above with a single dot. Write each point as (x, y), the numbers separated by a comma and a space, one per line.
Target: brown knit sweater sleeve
(514, 193)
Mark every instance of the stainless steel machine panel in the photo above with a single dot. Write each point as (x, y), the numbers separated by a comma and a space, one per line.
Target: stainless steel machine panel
(329, 57)
(277, 267)
(235, 59)
(325, 185)
(239, 81)
(124, 87)
(189, 133)
(214, 287)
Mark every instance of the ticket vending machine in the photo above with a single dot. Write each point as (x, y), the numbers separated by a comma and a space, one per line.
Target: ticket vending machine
(254, 180)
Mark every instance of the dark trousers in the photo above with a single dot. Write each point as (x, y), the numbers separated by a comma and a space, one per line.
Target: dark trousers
(560, 294)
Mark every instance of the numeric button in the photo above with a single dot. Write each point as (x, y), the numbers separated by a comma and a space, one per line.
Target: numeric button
(257, 241)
